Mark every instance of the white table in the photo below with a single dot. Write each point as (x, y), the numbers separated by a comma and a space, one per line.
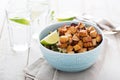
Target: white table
(12, 64)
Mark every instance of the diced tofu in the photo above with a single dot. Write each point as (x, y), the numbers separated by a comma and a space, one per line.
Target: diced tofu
(80, 43)
(64, 39)
(69, 48)
(76, 47)
(82, 50)
(83, 33)
(81, 25)
(91, 28)
(68, 34)
(94, 42)
(90, 48)
(74, 43)
(70, 41)
(75, 38)
(93, 33)
(99, 38)
(62, 30)
(87, 44)
(87, 39)
(72, 29)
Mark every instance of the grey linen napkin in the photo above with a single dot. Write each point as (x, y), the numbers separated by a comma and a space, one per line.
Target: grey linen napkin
(41, 70)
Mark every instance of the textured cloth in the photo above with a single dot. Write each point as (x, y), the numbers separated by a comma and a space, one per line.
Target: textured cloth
(41, 70)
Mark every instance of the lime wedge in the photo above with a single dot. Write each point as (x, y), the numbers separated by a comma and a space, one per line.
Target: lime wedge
(66, 19)
(20, 20)
(50, 39)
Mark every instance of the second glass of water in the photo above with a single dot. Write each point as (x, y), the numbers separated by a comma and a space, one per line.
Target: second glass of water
(19, 29)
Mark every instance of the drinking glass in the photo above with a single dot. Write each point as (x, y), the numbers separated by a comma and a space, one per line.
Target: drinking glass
(2, 21)
(39, 10)
(19, 28)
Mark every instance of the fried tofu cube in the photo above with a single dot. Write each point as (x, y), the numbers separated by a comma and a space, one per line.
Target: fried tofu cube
(87, 44)
(72, 29)
(64, 45)
(90, 48)
(70, 41)
(87, 39)
(68, 34)
(74, 43)
(75, 38)
(69, 48)
(91, 28)
(62, 30)
(81, 25)
(80, 43)
(83, 33)
(77, 47)
(63, 39)
(99, 38)
(82, 50)
(94, 42)
(93, 33)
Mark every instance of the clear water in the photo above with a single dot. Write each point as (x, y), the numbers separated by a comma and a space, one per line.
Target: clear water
(39, 11)
(19, 36)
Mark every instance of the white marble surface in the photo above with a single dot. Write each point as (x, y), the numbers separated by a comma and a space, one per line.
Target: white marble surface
(12, 64)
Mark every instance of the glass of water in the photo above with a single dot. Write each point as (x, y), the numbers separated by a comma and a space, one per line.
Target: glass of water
(2, 21)
(19, 28)
(39, 10)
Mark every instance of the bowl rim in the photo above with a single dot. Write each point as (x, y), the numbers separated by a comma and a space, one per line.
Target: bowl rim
(83, 53)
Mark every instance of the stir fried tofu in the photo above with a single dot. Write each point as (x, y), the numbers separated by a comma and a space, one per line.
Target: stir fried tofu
(72, 29)
(83, 33)
(74, 43)
(64, 39)
(81, 25)
(87, 44)
(91, 28)
(87, 39)
(69, 48)
(90, 48)
(94, 42)
(77, 38)
(62, 30)
(68, 34)
(70, 41)
(80, 43)
(82, 50)
(99, 38)
(77, 47)
(93, 33)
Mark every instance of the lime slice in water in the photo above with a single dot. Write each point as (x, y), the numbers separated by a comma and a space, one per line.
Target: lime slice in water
(50, 39)
(20, 20)
(66, 19)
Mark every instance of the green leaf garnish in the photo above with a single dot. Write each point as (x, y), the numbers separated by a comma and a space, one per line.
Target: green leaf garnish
(20, 20)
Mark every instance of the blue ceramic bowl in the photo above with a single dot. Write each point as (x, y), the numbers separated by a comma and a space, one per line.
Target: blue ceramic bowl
(69, 62)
